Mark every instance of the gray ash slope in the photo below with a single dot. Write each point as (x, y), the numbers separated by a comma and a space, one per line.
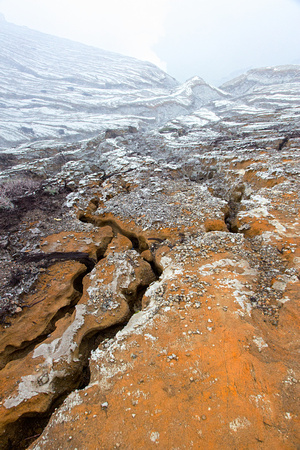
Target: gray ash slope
(53, 88)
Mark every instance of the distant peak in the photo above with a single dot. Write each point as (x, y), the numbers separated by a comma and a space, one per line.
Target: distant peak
(196, 80)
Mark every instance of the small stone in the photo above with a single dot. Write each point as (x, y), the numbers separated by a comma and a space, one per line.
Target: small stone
(104, 405)
(203, 417)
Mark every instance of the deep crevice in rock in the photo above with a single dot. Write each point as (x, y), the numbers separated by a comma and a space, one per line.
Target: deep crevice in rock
(229, 218)
(51, 258)
(156, 268)
(233, 207)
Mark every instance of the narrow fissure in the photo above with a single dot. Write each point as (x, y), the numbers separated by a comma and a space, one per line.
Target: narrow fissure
(233, 207)
(157, 270)
(230, 216)
(51, 258)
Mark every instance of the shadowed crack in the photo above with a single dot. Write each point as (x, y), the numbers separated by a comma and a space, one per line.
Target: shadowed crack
(138, 241)
(233, 207)
(50, 258)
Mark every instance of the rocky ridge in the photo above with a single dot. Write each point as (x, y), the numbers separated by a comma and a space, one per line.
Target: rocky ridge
(156, 280)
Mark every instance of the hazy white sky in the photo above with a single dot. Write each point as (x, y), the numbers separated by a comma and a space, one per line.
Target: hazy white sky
(209, 38)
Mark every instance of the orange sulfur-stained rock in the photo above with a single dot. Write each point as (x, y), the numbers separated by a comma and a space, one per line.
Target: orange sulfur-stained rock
(119, 244)
(215, 225)
(94, 244)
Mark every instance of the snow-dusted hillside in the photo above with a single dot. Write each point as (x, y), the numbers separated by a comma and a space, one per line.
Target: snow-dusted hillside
(268, 87)
(56, 88)
(256, 79)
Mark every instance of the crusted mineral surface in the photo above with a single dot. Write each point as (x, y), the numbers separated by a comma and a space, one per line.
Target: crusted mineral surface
(151, 285)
